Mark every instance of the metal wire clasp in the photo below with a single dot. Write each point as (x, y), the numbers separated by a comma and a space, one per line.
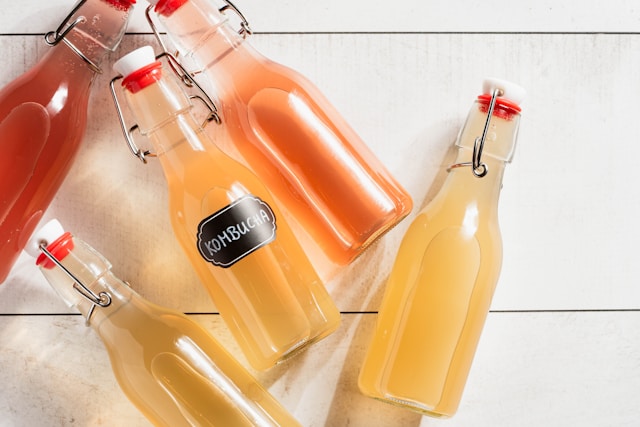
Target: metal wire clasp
(479, 168)
(244, 31)
(213, 115)
(103, 299)
(52, 38)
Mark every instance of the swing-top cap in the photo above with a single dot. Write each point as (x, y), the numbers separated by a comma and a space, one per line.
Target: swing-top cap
(513, 92)
(139, 69)
(58, 242)
(126, 4)
(508, 100)
(134, 61)
(166, 7)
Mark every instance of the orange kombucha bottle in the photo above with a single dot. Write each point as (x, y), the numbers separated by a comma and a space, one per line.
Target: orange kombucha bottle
(287, 132)
(57, 89)
(170, 368)
(240, 245)
(441, 285)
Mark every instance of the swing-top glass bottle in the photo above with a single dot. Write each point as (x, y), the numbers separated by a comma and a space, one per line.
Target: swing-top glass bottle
(54, 93)
(227, 223)
(441, 285)
(170, 368)
(339, 196)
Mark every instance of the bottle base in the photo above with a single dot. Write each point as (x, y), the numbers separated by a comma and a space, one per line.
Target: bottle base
(413, 406)
(302, 345)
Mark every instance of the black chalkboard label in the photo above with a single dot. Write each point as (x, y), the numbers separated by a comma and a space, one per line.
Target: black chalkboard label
(235, 231)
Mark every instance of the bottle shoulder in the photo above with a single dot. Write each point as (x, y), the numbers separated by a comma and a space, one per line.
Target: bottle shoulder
(48, 82)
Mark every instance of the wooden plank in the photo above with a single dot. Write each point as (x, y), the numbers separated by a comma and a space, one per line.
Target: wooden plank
(552, 369)
(32, 16)
(567, 210)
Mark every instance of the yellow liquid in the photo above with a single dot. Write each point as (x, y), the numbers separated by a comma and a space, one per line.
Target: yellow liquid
(437, 298)
(272, 300)
(175, 373)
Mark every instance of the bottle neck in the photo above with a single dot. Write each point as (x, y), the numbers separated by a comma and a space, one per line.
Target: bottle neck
(202, 33)
(101, 28)
(462, 186)
(92, 271)
(164, 114)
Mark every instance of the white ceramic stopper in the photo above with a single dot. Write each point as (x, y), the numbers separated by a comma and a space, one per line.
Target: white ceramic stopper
(511, 91)
(135, 60)
(47, 234)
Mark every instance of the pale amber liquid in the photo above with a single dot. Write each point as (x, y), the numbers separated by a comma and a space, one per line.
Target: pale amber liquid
(272, 300)
(174, 372)
(437, 298)
(289, 134)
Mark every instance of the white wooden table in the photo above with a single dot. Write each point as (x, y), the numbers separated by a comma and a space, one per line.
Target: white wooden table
(561, 346)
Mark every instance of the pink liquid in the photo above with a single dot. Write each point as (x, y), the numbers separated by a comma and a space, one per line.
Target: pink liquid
(64, 94)
(24, 132)
(58, 86)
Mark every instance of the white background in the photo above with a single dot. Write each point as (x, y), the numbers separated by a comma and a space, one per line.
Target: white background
(561, 346)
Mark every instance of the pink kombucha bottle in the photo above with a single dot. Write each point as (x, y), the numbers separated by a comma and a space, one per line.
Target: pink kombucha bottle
(54, 93)
(320, 171)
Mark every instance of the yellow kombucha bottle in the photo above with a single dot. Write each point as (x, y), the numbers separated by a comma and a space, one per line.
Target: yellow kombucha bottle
(170, 368)
(240, 245)
(440, 289)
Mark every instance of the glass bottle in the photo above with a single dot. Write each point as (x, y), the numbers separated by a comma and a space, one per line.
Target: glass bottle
(440, 288)
(60, 83)
(244, 252)
(323, 175)
(170, 368)
(25, 130)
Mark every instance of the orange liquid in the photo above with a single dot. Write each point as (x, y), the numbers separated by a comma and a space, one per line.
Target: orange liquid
(272, 300)
(289, 134)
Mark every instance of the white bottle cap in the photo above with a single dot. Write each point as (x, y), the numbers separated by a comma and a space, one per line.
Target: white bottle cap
(511, 91)
(134, 61)
(47, 234)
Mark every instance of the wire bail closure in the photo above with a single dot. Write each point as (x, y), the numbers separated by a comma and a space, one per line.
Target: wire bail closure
(185, 77)
(102, 299)
(52, 38)
(244, 31)
(479, 168)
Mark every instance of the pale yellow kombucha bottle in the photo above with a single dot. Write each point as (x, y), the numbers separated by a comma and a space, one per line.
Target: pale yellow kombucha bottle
(240, 245)
(441, 285)
(170, 368)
